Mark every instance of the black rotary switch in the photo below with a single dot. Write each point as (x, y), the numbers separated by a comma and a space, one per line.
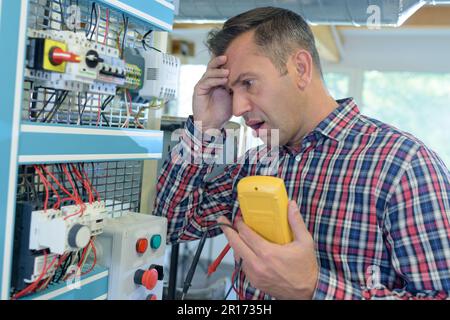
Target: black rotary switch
(93, 59)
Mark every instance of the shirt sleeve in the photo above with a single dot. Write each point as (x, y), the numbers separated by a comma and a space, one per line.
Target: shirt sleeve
(417, 235)
(191, 203)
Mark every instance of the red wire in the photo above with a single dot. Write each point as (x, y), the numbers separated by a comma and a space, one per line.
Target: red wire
(129, 100)
(91, 186)
(212, 268)
(105, 39)
(82, 256)
(72, 184)
(85, 182)
(58, 203)
(71, 196)
(241, 297)
(77, 198)
(44, 182)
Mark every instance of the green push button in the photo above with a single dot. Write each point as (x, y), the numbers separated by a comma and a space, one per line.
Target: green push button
(155, 242)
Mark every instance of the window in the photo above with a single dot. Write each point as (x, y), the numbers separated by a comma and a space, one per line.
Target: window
(418, 103)
(189, 76)
(337, 84)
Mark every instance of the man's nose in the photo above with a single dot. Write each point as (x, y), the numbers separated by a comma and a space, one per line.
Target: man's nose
(241, 105)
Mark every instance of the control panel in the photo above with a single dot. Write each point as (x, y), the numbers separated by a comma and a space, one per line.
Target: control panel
(132, 248)
(81, 138)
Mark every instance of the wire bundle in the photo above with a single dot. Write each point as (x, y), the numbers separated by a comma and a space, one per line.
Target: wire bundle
(79, 181)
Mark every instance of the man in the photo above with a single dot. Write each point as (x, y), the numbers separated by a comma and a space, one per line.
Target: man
(370, 209)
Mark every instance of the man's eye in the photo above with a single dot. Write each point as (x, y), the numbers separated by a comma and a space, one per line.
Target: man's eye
(247, 83)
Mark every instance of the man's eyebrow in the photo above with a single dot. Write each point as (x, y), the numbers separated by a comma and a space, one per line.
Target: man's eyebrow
(242, 75)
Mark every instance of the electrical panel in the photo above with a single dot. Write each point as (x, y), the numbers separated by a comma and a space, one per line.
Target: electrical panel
(132, 248)
(161, 76)
(85, 66)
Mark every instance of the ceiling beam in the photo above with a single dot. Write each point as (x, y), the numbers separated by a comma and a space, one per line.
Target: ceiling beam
(430, 17)
(184, 26)
(325, 39)
(437, 17)
(326, 43)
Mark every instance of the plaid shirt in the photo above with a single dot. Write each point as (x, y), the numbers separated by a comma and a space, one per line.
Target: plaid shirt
(375, 200)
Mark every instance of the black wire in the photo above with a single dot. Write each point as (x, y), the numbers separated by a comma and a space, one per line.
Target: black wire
(45, 105)
(84, 107)
(96, 21)
(79, 108)
(107, 102)
(191, 272)
(125, 31)
(93, 11)
(106, 120)
(90, 21)
(155, 49)
(104, 105)
(56, 107)
(235, 280)
(64, 268)
(62, 14)
(144, 44)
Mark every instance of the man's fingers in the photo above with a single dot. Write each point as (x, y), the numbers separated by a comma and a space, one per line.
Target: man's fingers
(296, 222)
(207, 84)
(216, 73)
(254, 241)
(235, 241)
(217, 62)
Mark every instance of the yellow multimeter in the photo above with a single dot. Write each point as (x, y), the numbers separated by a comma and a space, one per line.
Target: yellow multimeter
(264, 205)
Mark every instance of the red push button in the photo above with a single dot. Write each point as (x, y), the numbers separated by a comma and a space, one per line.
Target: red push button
(147, 278)
(152, 296)
(141, 246)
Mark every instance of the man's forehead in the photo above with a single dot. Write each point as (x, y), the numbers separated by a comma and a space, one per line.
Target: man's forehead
(241, 48)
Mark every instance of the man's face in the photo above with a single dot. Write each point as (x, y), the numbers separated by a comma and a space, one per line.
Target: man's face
(265, 98)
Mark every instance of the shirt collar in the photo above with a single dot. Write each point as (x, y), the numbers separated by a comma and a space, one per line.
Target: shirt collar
(339, 123)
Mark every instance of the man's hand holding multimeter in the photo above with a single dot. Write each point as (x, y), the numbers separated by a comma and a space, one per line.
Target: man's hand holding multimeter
(278, 260)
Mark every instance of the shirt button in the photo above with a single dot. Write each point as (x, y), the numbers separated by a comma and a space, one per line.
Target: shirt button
(298, 158)
(195, 147)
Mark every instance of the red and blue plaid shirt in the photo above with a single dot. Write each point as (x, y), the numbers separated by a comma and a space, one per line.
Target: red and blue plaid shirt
(375, 200)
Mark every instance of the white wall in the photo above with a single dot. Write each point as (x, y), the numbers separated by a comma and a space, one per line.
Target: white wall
(396, 50)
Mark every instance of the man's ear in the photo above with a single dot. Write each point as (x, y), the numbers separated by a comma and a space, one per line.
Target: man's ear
(302, 64)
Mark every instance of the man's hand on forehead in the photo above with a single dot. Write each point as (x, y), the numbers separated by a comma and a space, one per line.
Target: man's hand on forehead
(211, 105)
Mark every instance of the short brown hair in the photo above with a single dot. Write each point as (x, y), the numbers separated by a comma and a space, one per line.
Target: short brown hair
(278, 32)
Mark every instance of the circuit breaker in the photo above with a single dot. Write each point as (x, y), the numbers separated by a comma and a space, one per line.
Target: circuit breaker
(132, 248)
